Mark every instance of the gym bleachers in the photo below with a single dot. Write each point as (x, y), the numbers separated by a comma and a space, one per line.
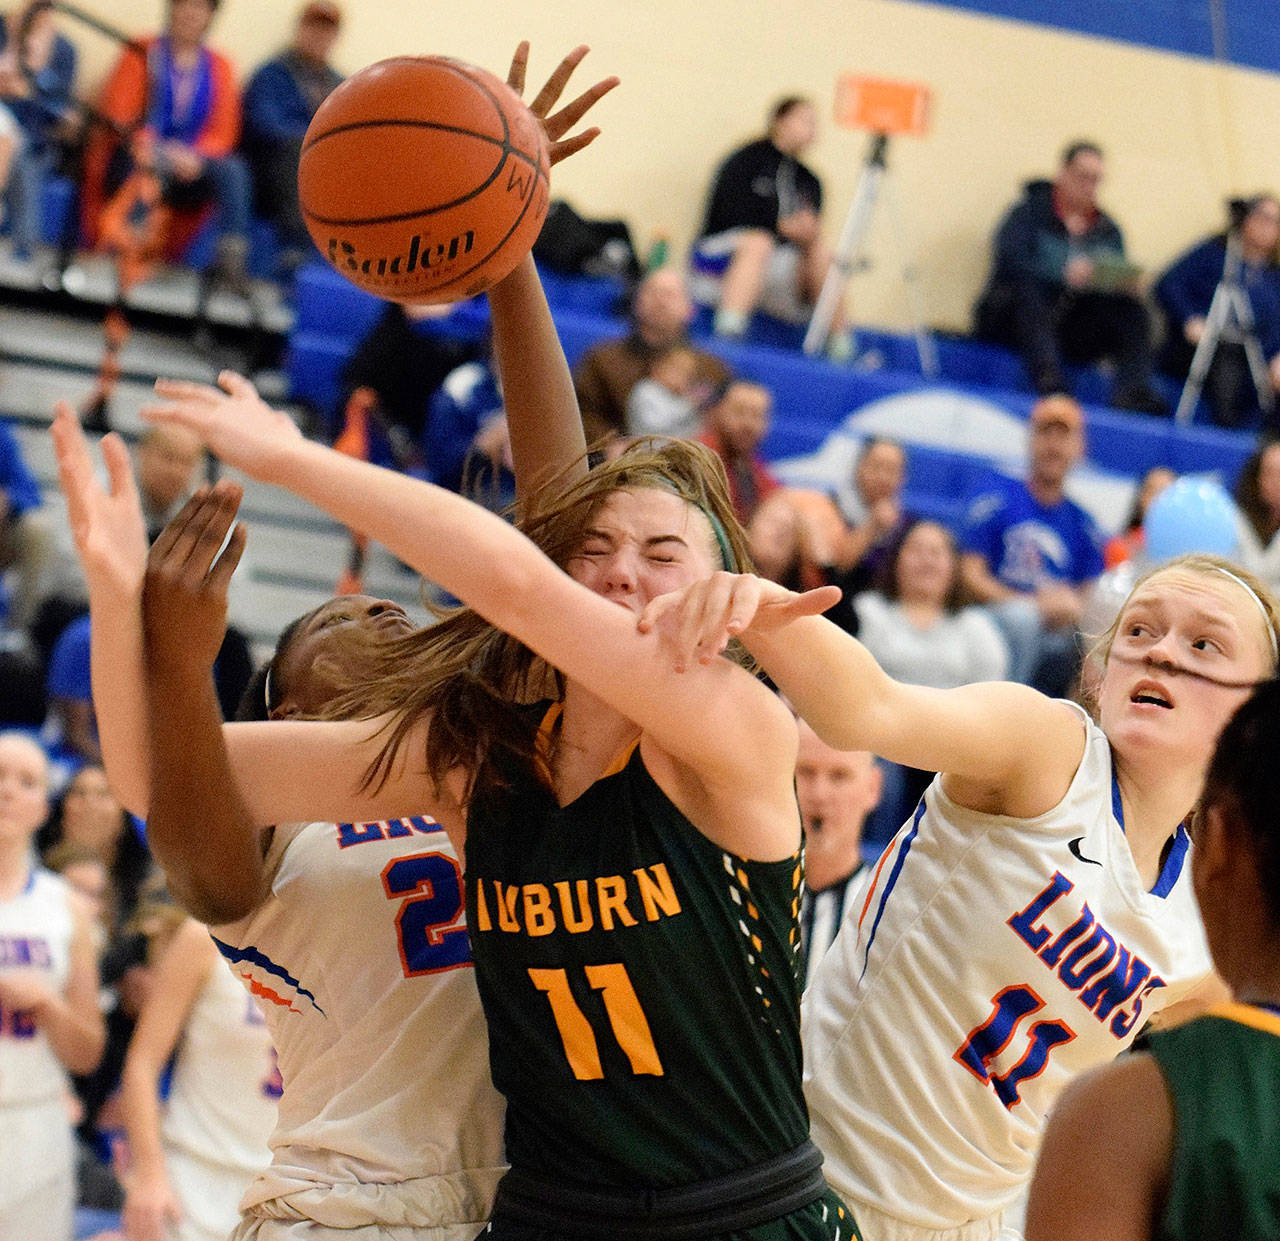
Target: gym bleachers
(813, 397)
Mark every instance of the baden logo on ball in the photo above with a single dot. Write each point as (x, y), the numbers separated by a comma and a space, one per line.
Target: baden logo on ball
(423, 179)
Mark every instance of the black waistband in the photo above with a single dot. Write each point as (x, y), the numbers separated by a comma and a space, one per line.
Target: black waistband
(756, 1195)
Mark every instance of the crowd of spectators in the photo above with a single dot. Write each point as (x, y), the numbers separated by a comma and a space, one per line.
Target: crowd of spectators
(1004, 595)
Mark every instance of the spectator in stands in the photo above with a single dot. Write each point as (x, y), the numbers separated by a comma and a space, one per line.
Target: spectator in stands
(1061, 287)
(763, 228)
(1258, 499)
(1030, 553)
(665, 401)
(913, 620)
(167, 463)
(467, 445)
(279, 101)
(1185, 292)
(872, 507)
(837, 790)
(790, 536)
(734, 427)
(605, 375)
(26, 536)
(1131, 539)
(89, 817)
(403, 359)
(186, 94)
(37, 71)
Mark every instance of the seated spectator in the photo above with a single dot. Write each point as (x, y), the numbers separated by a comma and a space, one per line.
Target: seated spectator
(1257, 496)
(26, 534)
(605, 375)
(1030, 553)
(836, 790)
(762, 233)
(734, 428)
(1131, 539)
(37, 70)
(913, 621)
(664, 403)
(1185, 292)
(403, 359)
(872, 507)
(186, 94)
(467, 445)
(1062, 289)
(790, 536)
(279, 101)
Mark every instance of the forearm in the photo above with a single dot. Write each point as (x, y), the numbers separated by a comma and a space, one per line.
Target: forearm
(830, 678)
(450, 541)
(199, 828)
(116, 669)
(537, 388)
(76, 1033)
(140, 1110)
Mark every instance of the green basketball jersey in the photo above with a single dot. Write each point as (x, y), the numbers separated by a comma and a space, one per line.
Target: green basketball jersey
(640, 984)
(1222, 1072)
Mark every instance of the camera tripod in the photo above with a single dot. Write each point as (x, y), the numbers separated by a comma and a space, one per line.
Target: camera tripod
(1230, 321)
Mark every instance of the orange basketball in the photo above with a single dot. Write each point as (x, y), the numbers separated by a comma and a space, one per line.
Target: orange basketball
(424, 179)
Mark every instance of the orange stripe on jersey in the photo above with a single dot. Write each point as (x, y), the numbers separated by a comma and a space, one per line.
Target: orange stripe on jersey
(871, 887)
(272, 997)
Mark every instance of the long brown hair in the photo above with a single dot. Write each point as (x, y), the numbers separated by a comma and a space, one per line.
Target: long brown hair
(469, 677)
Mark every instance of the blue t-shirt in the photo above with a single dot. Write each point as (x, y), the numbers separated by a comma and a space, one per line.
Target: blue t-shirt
(68, 675)
(1026, 543)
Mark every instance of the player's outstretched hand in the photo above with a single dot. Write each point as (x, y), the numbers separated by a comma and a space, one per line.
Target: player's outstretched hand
(558, 125)
(184, 599)
(235, 423)
(106, 522)
(698, 622)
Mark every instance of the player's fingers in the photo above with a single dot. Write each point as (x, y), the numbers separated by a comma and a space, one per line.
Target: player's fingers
(713, 636)
(220, 575)
(656, 609)
(185, 390)
(209, 529)
(814, 602)
(519, 67)
(235, 384)
(120, 477)
(572, 113)
(570, 146)
(173, 533)
(546, 98)
(744, 606)
(688, 629)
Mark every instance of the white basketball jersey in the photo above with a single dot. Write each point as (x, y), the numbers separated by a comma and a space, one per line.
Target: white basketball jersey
(36, 929)
(361, 964)
(222, 1103)
(992, 960)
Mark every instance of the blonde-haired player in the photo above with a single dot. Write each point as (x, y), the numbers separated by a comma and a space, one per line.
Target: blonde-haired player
(191, 1159)
(50, 1023)
(1034, 912)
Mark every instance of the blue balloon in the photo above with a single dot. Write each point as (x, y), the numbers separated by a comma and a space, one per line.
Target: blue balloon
(1191, 515)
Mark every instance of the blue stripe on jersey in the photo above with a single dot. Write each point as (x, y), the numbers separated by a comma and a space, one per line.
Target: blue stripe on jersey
(254, 956)
(1117, 806)
(893, 878)
(1172, 867)
(1172, 864)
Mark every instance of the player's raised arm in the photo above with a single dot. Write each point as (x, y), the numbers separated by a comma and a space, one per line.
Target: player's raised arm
(999, 740)
(543, 420)
(718, 721)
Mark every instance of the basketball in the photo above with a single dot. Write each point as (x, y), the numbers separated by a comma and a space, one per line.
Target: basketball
(424, 179)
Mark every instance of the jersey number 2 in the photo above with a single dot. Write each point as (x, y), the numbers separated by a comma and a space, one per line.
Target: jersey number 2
(988, 1040)
(432, 934)
(626, 1017)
